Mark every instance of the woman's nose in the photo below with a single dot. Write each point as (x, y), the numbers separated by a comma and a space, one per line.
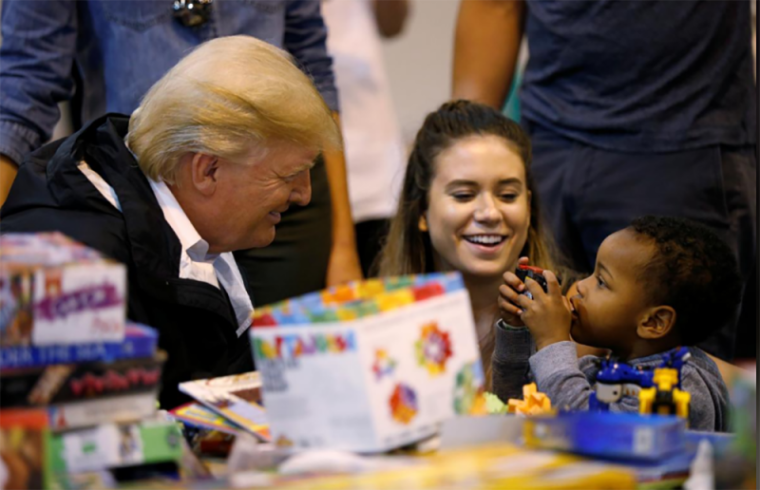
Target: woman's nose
(486, 210)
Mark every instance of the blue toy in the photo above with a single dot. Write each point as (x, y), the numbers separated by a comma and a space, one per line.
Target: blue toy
(616, 379)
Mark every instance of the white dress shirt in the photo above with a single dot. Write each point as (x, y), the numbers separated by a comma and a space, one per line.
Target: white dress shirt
(195, 262)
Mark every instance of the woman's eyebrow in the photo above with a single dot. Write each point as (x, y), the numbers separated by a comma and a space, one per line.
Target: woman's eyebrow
(461, 182)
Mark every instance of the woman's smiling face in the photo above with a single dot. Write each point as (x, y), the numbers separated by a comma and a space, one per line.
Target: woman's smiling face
(478, 207)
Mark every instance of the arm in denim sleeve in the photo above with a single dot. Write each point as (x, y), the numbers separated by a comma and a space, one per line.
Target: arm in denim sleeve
(306, 40)
(568, 381)
(36, 59)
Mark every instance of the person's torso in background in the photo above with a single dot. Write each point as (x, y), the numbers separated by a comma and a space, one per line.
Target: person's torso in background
(375, 157)
(641, 75)
(125, 45)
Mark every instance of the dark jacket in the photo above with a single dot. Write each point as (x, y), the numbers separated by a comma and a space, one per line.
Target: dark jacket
(195, 320)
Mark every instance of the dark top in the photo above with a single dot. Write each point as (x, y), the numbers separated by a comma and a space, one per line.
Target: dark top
(195, 320)
(641, 76)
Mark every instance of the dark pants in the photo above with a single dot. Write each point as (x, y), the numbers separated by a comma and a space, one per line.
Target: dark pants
(295, 262)
(370, 238)
(588, 193)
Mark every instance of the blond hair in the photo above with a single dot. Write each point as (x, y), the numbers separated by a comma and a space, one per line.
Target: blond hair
(227, 97)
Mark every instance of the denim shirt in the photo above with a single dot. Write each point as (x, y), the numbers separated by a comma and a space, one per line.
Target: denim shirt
(104, 55)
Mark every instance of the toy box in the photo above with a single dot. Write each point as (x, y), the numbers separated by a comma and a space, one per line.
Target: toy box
(77, 382)
(23, 436)
(608, 434)
(139, 341)
(369, 366)
(57, 291)
(114, 445)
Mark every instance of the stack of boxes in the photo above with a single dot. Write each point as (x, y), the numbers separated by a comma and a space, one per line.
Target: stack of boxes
(78, 383)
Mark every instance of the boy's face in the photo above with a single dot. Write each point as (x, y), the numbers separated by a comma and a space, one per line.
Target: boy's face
(611, 301)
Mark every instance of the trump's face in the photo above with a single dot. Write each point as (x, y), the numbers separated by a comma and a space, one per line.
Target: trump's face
(254, 191)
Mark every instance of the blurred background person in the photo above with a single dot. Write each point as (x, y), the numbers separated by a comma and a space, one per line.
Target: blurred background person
(633, 108)
(372, 140)
(103, 55)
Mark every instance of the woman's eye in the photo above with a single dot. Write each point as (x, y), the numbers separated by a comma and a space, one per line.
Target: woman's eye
(509, 196)
(462, 196)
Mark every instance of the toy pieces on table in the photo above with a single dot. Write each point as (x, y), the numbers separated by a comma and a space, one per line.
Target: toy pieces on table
(111, 445)
(608, 434)
(236, 398)
(139, 341)
(536, 273)
(197, 415)
(57, 291)
(111, 409)
(22, 448)
(73, 382)
(533, 403)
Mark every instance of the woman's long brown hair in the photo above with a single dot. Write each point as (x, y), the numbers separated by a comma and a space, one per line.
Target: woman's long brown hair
(408, 250)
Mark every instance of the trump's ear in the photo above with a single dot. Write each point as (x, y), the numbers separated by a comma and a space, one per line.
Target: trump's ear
(203, 172)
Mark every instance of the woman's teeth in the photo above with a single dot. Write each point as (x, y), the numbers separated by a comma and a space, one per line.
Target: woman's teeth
(485, 239)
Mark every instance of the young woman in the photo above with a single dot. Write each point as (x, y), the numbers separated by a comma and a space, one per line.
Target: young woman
(467, 205)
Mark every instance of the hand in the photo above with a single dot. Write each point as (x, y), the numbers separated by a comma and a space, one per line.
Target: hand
(343, 267)
(8, 170)
(509, 294)
(548, 315)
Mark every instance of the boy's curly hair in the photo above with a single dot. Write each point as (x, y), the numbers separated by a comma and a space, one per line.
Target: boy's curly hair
(693, 271)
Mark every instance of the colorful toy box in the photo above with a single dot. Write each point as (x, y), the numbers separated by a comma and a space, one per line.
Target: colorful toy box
(370, 366)
(54, 290)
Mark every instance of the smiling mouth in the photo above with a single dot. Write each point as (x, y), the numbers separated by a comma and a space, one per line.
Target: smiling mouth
(486, 240)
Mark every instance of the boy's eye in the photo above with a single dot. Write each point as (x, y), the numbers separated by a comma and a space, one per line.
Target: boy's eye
(600, 282)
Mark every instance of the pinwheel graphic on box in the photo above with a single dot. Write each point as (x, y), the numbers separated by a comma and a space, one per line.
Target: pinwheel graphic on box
(433, 349)
(403, 404)
(384, 365)
(370, 366)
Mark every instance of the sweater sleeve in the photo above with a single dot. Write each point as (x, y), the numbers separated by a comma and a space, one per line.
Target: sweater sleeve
(509, 364)
(567, 381)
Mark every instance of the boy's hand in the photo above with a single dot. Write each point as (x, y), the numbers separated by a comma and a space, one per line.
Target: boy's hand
(509, 292)
(547, 315)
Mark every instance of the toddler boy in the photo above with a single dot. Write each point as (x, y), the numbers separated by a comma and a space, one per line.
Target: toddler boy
(658, 284)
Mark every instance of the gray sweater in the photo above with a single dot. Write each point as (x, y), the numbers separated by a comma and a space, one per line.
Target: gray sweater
(568, 381)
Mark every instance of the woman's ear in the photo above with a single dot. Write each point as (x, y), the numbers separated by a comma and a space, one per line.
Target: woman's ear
(423, 225)
(657, 323)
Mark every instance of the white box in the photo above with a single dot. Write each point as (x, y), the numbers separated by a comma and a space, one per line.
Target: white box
(374, 383)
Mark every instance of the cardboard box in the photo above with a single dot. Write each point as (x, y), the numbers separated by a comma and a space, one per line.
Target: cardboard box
(368, 367)
(61, 383)
(23, 436)
(57, 291)
(115, 445)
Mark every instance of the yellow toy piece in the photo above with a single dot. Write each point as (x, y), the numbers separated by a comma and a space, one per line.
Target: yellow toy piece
(664, 398)
(534, 402)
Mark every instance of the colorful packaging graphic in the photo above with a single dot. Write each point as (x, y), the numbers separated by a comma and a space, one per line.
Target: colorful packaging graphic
(139, 341)
(324, 359)
(22, 448)
(433, 349)
(384, 365)
(57, 291)
(469, 394)
(403, 404)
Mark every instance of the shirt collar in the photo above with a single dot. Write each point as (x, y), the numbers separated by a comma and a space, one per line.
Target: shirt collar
(191, 241)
